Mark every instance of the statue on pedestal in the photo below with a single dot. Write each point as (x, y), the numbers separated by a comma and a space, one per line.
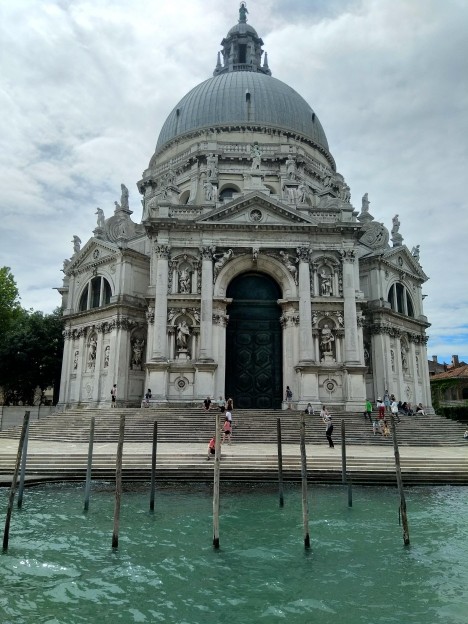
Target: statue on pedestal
(100, 217)
(76, 243)
(326, 340)
(325, 285)
(184, 281)
(183, 333)
(256, 157)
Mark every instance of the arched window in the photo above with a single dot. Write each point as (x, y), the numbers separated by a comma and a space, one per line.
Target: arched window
(97, 293)
(228, 192)
(400, 300)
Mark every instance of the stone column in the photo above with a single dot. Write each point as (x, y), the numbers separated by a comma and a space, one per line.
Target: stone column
(160, 304)
(351, 354)
(67, 367)
(306, 346)
(206, 321)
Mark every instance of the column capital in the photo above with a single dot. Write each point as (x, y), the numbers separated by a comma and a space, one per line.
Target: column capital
(207, 252)
(348, 255)
(303, 254)
(162, 251)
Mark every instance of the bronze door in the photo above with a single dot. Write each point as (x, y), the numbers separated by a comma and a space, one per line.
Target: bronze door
(254, 343)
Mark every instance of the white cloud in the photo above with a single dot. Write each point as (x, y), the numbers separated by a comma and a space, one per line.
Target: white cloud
(86, 86)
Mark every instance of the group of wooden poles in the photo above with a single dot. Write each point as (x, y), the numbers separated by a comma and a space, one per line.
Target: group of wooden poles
(20, 470)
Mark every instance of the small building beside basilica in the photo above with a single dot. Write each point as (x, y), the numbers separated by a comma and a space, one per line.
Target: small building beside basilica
(250, 269)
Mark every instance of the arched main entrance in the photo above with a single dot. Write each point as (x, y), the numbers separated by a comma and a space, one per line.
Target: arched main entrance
(253, 342)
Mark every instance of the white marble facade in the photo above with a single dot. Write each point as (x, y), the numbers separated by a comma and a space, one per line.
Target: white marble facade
(146, 304)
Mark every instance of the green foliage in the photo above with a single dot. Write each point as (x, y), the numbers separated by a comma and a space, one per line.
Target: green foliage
(455, 412)
(9, 298)
(30, 355)
(438, 389)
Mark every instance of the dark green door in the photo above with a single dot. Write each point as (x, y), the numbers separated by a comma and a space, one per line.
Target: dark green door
(253, 343)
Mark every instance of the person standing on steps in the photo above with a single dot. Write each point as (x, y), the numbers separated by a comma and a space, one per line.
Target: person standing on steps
(394, 408)
(211, 447)
(327, 419)
(289, 396)
(221, 404)
(226, 431)
(368, 412)
(114, 395)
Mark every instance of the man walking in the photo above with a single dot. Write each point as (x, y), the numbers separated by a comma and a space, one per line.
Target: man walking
(327, 419)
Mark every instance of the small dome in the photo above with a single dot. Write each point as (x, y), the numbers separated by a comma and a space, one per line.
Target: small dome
(243, 98)
(242, 28)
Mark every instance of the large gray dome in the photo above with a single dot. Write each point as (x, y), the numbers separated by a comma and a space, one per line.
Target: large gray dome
(224, 101)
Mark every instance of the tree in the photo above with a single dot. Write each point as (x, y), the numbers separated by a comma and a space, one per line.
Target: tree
(9, 298)
(30, 355)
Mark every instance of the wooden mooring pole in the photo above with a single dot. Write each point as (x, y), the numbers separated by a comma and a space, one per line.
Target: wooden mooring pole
(118, 483)
(90, 464)
(216, 483)
(24, 456)
(11, 498)
(404, 517)
(280, 463)
(153, 464)
(343, 452)
(305, 504)
(350, 490)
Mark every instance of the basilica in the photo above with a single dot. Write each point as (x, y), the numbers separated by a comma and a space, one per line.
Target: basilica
(250, 269)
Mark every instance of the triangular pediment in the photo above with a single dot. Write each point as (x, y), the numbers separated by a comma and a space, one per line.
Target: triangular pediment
(95, 250)
(402, 260)
(257, 209)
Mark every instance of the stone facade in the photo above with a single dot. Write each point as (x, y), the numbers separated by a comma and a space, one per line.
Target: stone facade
(148, 305)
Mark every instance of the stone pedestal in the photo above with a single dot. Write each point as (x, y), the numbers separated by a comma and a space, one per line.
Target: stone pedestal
(253, 181)
(183, 355)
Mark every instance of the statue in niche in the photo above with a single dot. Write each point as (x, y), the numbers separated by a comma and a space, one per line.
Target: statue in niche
(326, 339)
(365, 203)
(404, 360)
(212, 167)
(92, 353)
(183, 333)
(291, 194)
(288, 263)
(106, 356)
(302, 193)
(124, 197)
(415, 252)
(209, 191)
(396, 225)
(325, 284)
(184, 281)
(76, 243)
(137, 353)
(223, 258)
(291, 168)
(100, 217)
(75, 360)
(256, 154)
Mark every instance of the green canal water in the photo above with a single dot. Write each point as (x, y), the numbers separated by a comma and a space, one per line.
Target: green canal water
(60, 567)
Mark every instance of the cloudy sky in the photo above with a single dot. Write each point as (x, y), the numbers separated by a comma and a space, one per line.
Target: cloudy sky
(85, 86)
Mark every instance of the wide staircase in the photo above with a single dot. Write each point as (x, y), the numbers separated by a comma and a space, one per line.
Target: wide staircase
(187, 431)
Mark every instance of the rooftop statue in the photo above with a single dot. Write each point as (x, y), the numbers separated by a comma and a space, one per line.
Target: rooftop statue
(396, 225)
(124, 197)
(243, 13)
(365, 203)
(100, 217)
(76, 243)
(415, 252)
